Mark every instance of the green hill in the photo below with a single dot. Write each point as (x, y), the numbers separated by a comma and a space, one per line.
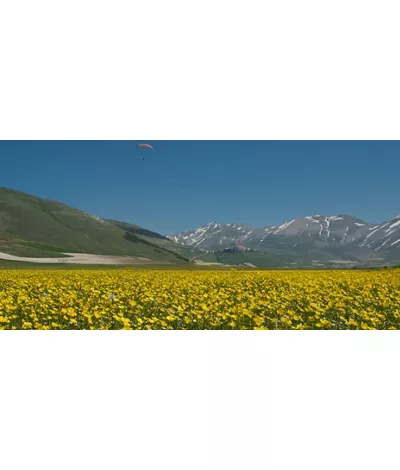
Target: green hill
(35, 227)
(162, 242)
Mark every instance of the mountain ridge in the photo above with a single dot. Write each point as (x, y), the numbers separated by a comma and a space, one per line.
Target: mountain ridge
(305, 238)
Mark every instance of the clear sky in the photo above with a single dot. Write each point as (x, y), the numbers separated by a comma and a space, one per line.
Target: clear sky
(185, 184)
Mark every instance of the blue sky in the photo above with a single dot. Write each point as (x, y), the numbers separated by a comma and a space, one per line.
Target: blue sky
(185, 184)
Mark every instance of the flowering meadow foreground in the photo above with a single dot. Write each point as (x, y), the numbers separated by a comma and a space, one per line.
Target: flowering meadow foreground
(186, 300)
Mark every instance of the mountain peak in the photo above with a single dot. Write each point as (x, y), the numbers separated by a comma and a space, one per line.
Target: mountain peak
(338, 236)
(211, 224)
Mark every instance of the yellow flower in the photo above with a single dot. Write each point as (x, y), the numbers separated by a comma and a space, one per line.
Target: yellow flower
(80, 299)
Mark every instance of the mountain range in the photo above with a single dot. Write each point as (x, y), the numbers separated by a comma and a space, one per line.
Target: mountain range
(304, 241)
(40, 228)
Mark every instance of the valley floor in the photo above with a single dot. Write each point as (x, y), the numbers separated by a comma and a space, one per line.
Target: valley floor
(83, 258)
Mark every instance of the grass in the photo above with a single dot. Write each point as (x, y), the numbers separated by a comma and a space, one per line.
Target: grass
(40, 246)
(20, 249)
(42, 228)
(6, 264)
(135, 229)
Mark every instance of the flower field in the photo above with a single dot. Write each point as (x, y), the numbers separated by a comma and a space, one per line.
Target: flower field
(256, 300)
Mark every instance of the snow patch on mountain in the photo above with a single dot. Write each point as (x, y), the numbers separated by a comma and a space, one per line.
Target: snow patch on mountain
(315, 233)
(283, 226)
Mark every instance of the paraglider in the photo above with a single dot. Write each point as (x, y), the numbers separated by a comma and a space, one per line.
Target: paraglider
(148, 146)
(144, 145)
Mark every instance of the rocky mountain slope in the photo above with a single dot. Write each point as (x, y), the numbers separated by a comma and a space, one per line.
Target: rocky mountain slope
(310, 240)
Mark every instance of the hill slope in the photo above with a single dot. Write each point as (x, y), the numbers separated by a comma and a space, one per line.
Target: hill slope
(36, 227)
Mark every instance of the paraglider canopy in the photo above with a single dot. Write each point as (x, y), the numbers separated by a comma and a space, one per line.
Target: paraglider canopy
(147, 146)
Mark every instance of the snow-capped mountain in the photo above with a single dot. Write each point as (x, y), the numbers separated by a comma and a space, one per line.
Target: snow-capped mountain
(214, 236)
(341, 236)
(336, 229)
(384, 237)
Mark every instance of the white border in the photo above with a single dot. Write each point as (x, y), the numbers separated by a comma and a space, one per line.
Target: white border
(178, 400)
(212, 70)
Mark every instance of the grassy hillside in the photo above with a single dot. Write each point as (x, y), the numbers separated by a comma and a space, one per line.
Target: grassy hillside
(136, 229)
(35, 227)
(186, 252)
